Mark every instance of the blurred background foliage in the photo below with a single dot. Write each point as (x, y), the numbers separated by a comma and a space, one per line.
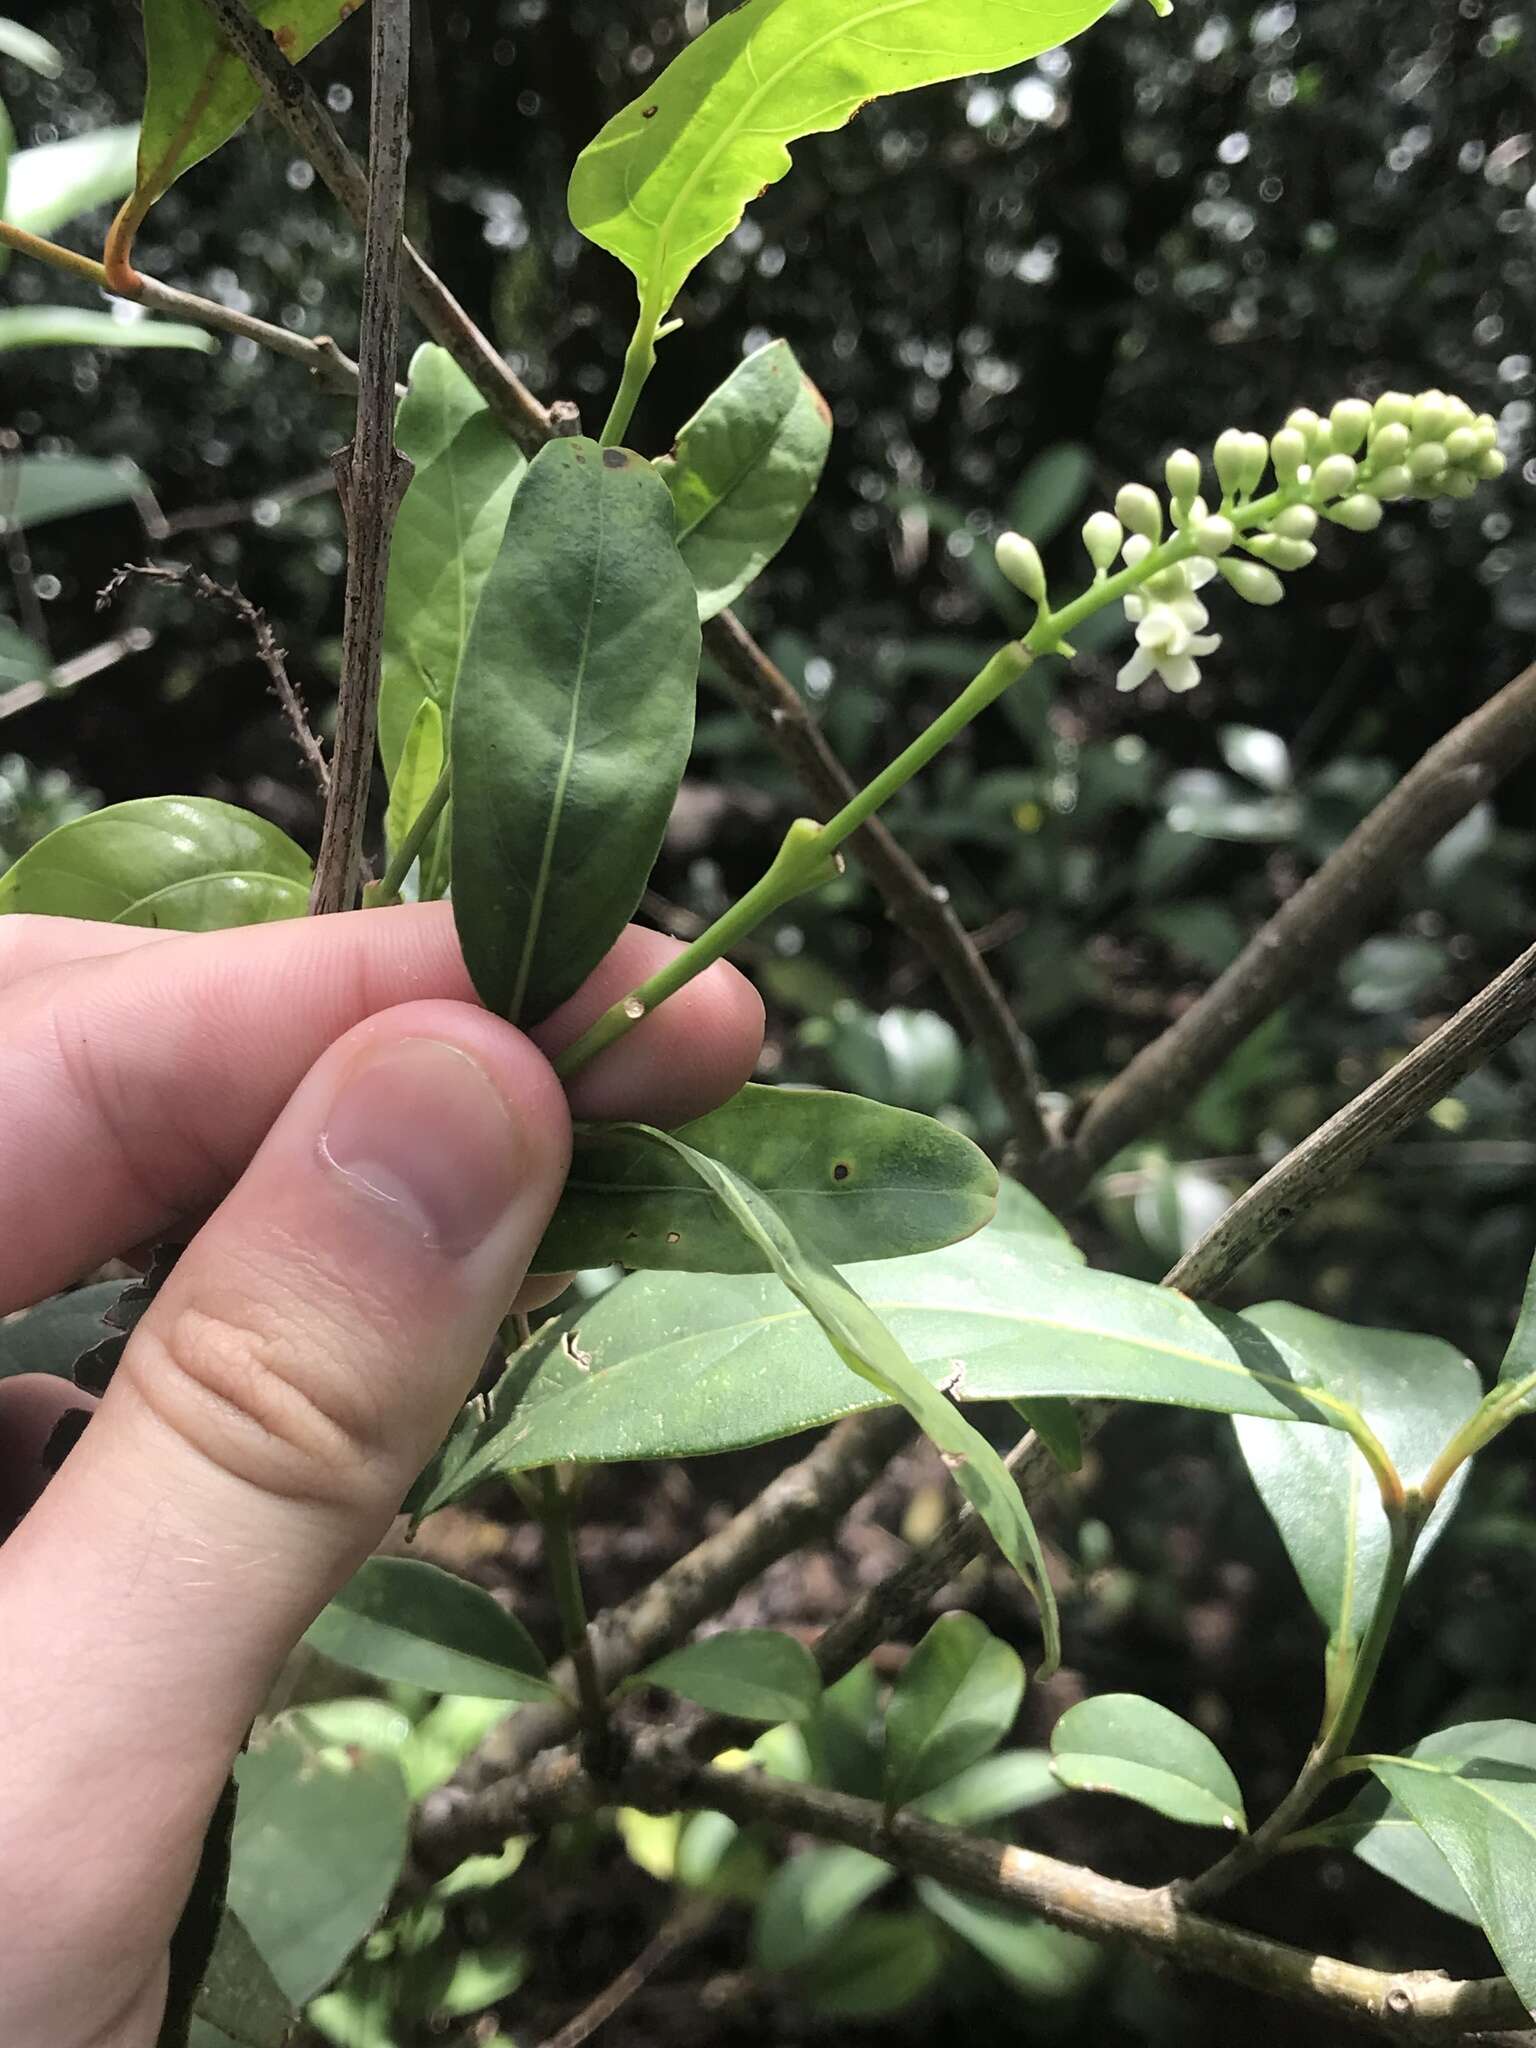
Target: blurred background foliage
(1016, 294)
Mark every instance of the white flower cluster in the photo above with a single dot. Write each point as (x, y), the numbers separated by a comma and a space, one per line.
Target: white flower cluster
(1342, 468)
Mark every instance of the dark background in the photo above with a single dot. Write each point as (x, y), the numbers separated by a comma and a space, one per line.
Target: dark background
(1169, 228)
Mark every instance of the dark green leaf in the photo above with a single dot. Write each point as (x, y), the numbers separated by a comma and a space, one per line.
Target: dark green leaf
(669, 177)
(1050, 491)
(50, 1337)
(1046, 1963)
(1131, 1746)
(320, 1840)
(755, 1674)
(957, 1697)
(880, 1964)
(843, 1736)
(400, 1618)
(38, 488)
(50, 184)
(577, 691)
(174, 863)
(857, 1179)
(744, 469)
(239, 2003)
(1414, 1392)
(85, 327)
(810, 1902)
(1057, 1426)
(21, 659)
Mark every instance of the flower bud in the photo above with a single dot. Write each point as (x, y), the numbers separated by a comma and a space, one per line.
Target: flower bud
(1431, 416)
(1138, 509)
(1019, 560)
(1304, 421)
(1102, 535)
(1251, 580)
(1289, 451)
(1349, 423)
(1452, 483)
(1231, 458)
(1359, 513)
(1213, 536)
(1183, 473)
(1490, 464)
(1390, 445)
(1281, 553)
(1486, 429)
(1427, 460)
(1334, 476)
(1390, 484)
(1296, 522)
(1462, 445)
(1392, 409)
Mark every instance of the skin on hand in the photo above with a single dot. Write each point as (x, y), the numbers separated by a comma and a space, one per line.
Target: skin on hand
(376, 1159)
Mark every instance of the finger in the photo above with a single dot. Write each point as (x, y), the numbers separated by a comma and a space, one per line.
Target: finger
(28, 944)
(134, 1089)
(32, 1405)
(270, 1410)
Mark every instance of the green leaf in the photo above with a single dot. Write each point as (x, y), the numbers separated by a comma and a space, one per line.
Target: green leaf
(844, 1736)
(450, 527)
(957, 1697)
(671, 175)
(319, 1843)
(1051, 490)
(400, 1618)
(175, 863)
(1519, 1362)
(1480, 1813)
(198, 93)
(1057, 1426)
(38, 488)
(51, 183)
(239, 2004)
(1021, 1214)
(809, 1903)
(881, 1963)
(1131, 1746)
(1046, 1963)
(29, 49)
(756, 1674)
(662, 1367)
(50, 1337)
(1415, 1392)
(438, 400)
(744, 469)
(21, 659)
(992, 1788)
(859, 1180)
(417, 773)
(577, 689)
(81, 327)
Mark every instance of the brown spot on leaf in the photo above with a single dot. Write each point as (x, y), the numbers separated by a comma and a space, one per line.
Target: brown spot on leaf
(649, 113)
(615, 458)
(842, 1170)
(286, 38)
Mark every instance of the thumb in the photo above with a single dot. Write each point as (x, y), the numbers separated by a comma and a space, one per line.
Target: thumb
(299, 1366)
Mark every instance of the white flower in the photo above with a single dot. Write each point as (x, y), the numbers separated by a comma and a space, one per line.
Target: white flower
(1171, 639)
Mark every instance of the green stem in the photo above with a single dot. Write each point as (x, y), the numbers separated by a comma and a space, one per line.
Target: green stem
(639, 361)
(570, 1600)
(804, 861)
(405, 854)
(1498, 1409)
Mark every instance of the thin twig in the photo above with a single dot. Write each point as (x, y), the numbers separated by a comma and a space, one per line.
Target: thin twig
(1306, 937)
(1336, 1148)
(79, 668)
(371, 473)
(273, 658)
(681, 1928)
(290, 97)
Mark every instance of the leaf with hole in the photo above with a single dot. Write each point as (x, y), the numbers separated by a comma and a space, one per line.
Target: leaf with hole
(1415, 1392)
(173, 863)
(399, 1618)
(319, 1843)
(859, 1180)
(743, 471)
(51, 183)
(577, 687)
(754, 1674)
(957, 1697)
(671, 175)
(1130, 1746)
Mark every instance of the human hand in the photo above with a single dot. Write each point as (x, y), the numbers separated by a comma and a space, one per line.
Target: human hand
(372, 1160)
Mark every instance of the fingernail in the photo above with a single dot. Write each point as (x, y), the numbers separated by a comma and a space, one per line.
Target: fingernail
(420, 1130)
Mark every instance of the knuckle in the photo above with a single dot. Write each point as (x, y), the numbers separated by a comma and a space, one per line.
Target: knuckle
(260, 1398)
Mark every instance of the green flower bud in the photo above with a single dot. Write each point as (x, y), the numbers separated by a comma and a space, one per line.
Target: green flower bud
(1453, 483)
(1168, 583)
(1431, 416)
(1296, 522)
(1462, 445)
(1490, 464)
(1486, 429)
(1391, 484)
(1281, 553)
(1304, 421)
(1427, 460)
(1102, 535)
(1349, 422)
(1335, 476)
(1251, 580)
(1138, 509)
(1289, 451)
(1392, 409)
(1019, 560)
(1390, 445)
(1213, 536)
(1360, 513)
(1182, 470)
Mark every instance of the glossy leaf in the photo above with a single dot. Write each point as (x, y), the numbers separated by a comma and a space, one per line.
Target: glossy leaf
(754, 1674)
(993, 1788)
(50, 1337)
(174, 863)
(957, 1697)
(83, 327)
(38, 488)
(1480, 1813)
(881, 1964)
(1046, 1963)
(744, 469)
(858, 1180)
(1122, 1743)
(450, 527)
(810, 1901)
(577, 689)
(1414, 1392)
(400, 1618)
(1381, 1833)
(29, 48)
(319, 1843)
(671, 175)
(51, 183)
(661, 1367)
